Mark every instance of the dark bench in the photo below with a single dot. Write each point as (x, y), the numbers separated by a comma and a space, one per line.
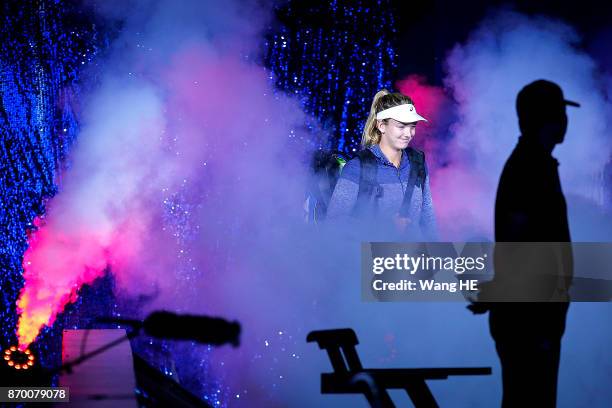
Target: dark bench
(349, 376)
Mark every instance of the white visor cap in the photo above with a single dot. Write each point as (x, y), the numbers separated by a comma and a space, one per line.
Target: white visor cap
(405, 113)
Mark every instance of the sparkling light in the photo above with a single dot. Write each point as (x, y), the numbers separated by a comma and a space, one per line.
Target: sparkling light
(334, 56)
(19, 359)
(42, 47)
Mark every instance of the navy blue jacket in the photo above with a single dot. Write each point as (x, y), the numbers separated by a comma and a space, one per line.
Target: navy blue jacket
(393, 181)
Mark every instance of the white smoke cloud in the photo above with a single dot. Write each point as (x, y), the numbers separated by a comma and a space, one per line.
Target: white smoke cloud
(507, 51)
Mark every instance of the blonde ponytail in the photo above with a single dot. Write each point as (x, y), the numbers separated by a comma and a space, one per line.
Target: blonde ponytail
(382, 100)
(371, 134)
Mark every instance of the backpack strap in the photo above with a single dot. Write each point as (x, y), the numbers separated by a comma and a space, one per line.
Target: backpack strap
(368, 186)
(415, 178)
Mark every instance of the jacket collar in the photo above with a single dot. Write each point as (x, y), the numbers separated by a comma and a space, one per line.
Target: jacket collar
(535, 150)
(380, 156)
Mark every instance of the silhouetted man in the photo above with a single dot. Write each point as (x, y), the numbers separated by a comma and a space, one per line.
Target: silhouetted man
(530, 207)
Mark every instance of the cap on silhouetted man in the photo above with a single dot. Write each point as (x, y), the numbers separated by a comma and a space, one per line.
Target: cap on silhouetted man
(527, 325)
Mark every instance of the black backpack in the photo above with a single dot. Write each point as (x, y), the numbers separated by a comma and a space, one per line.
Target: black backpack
(326, 168)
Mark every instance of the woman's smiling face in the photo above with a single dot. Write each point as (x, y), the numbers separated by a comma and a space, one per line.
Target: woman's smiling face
(396, 134)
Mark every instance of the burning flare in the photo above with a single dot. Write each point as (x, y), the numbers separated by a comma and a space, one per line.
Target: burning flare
(55, 267)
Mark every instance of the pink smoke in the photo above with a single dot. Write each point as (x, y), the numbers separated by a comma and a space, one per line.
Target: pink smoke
(216, 122)
(456, 187)
(428, 99)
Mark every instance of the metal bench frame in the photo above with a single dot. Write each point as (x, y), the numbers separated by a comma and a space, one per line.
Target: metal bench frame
(349, 376)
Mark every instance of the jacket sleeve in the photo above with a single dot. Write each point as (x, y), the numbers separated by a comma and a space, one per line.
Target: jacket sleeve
(428, 222)
(344, 197)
